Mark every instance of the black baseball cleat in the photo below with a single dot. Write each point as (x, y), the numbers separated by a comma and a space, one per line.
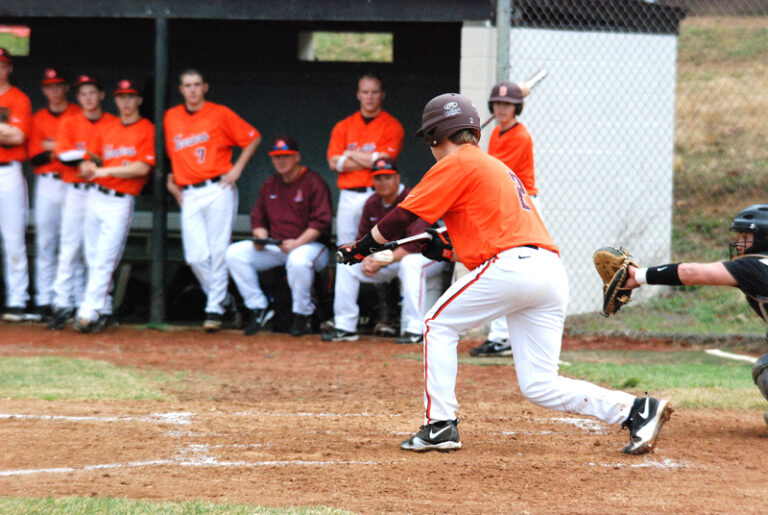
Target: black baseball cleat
(340, 335)
(385, 329)
(302, 324)
(437, 436)
(60, 318)
(257, 320)
(14, 314)
(644, 422)
(212, 322)
(410, 338)
(491, 348)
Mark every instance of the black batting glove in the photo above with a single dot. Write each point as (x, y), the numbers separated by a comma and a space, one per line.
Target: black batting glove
(439, 248)
(356, 251)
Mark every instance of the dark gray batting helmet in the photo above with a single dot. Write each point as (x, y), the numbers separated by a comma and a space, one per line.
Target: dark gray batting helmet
(445, 115)
(508, 92)
(753, 219)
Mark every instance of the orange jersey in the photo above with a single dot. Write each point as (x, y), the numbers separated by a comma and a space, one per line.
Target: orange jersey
(45, 124)
(514, 147)
(382, 134)
(200, 143)
(483, 204)
(119, 145)
(16, 108)
(76, 132)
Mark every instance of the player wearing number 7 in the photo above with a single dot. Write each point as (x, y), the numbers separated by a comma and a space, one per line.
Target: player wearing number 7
(199, 136)
(515, 272)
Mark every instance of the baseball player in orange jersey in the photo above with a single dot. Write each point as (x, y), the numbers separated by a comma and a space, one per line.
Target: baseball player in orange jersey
(50, 189)
(511, 144)
(356, 143)
(74, 135)
(515, 271)
(199, 137)
(127, 150)
(15, 115)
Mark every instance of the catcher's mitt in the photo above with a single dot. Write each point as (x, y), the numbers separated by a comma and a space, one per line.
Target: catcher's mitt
(613, 266)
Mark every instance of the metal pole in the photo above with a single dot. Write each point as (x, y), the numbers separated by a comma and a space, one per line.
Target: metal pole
(503, 21)
(159, 230)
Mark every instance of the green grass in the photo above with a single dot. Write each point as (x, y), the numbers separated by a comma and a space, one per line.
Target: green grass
(353, 46)
(52, 377)
(80, 505)
(14, 44)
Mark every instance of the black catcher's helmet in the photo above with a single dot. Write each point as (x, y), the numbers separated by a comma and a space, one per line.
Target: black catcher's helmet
(753, 219)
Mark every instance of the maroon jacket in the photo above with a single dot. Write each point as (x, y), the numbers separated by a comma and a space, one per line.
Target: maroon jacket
(374, 210)
(287, 210)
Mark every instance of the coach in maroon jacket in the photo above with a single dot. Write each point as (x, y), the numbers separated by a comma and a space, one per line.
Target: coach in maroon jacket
(294, 208)
(406, 262)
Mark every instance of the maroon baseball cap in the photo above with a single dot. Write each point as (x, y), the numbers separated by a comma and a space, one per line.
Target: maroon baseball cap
(284, 146)
(5, 55)
(82, 80)
(384, 166)
(126, 87)
(52, 76)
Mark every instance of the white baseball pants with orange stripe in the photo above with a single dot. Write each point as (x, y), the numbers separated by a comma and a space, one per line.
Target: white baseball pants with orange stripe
(13, 223)
(69, 285)
(528, 286)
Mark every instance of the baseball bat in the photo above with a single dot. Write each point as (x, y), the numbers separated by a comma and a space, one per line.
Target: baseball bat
(525, 87)
(266, 241)
(391, 245)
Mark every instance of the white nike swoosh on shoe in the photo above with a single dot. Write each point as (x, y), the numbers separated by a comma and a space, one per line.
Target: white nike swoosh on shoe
(433, 435)
(644, 413)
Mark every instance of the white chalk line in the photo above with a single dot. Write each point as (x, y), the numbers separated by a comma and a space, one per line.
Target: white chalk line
(664, 464)
(730, 355)
(181, 418)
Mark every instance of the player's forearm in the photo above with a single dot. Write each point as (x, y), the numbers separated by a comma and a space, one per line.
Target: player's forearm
(11, 135)
(260, 233)
(398, 254)
(377, 235)
(309, 235)
(130, 171)
(246, 155)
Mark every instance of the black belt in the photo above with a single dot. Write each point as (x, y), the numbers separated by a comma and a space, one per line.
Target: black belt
(81, 185)
(534, 247)
(6, 163)
(111, 193)
(206, 182)
(361, 189)
(52, 175)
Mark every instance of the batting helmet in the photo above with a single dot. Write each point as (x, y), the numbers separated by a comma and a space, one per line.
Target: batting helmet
(760, 374)
(508, 92)
(753, 219)
(445, 115)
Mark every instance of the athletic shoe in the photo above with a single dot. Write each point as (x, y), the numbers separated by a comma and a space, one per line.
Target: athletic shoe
(410, 338)
(83, 325)
(491, 348)
(212, 322)
(327, 326)
(302, 324)
(385, 329)
(340, 335)
(60, 318)
(39, 314)
(257, 320)
(103, 323)
(14, 314)
(644, 423)
(437, 436)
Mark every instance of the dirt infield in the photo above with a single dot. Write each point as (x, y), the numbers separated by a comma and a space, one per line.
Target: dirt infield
(279, 421)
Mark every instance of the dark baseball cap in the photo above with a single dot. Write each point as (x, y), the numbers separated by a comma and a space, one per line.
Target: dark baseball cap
(446, 115)
(384, 166)
(52, 76)
(507, 92)
(5, 55)
(126, 87)
(82, 80)
(284, 146)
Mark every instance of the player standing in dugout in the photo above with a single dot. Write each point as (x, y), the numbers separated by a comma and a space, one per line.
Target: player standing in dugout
(515, 271)
(199, 136)
(15, 117)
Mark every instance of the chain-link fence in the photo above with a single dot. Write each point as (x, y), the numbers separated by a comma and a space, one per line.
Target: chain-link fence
(649, 132)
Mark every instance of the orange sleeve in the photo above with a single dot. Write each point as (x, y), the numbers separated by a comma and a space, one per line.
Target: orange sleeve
(21, 111)
(438, 190)
(391, 140)
(38, 133)
(145, 147)
(65, 134)
(240, 132)
(338, 142)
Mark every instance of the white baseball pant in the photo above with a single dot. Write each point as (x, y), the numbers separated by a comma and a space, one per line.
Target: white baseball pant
(413, 271)
(348, 214)
(107, 224)
(207, 217)
(49, 203)
(244, 263)
(530, 287)
(69, 286)
(13, 224)
(498, 330)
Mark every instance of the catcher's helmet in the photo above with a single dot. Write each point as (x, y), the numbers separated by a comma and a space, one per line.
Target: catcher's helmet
(508, 92)
(753, 219)
(760, 374)
(445, 115)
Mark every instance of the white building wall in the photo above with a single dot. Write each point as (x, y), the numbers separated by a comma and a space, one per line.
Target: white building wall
(602, 124)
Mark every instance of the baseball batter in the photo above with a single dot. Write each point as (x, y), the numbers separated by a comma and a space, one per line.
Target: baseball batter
(515, 271)
(511, 144)
(199, 136)
(15, 116)
(356, 142)
(50, 189)
(74, 136)
(747, 270)
(127, 151)
(407, 264)
(294, 208)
